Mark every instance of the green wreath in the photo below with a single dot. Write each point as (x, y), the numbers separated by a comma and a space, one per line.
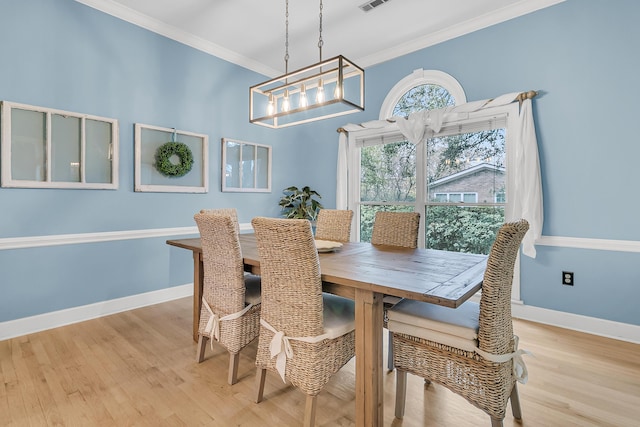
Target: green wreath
(166, 167)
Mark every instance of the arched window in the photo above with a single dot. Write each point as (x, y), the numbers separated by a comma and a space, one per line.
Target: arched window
(422, 89)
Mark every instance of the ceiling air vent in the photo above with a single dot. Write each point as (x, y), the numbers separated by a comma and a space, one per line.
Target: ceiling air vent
(370, 5)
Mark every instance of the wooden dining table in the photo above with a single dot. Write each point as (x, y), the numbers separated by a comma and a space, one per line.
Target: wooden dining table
(366, 273)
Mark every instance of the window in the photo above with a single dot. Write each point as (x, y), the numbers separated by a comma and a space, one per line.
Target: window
(455, 178)
(47, 148)
(408, 90)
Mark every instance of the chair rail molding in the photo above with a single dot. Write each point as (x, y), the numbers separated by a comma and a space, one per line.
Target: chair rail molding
(8, 243)
(588, 243)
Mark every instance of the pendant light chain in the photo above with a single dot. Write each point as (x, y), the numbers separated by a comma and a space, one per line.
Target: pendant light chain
(286, 39)
(320, 41)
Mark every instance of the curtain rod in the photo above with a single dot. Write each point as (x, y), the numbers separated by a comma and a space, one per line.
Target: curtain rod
(520, 98)
(526, 95)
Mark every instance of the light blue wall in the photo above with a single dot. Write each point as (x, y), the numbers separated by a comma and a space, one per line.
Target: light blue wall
(581, 54)
(64, 55)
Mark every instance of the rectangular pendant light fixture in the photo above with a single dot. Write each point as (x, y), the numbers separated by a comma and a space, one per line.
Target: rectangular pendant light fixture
(330, 88)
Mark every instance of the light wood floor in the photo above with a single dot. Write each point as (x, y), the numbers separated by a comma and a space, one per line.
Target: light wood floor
(138, 368)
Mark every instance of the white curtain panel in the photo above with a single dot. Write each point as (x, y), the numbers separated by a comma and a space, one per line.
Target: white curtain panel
(342, 182)
(526, 181)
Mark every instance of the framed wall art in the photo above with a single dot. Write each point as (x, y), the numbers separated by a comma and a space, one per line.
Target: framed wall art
(48, 148)
(170, 160)
(246, 167)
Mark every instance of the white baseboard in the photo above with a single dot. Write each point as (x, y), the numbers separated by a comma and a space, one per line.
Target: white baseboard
(55, 319)
(29, 325)
(577, 322)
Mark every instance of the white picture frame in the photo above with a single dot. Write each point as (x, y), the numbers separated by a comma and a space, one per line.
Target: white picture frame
(50, 148)
(245, 166)
(148, 139)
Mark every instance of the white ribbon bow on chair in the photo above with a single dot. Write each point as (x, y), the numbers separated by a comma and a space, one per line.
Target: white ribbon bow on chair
(519, 368)
(212, 329)
(280, 346)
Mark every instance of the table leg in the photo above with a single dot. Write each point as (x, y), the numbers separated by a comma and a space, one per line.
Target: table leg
(369, 391)
(198, 280)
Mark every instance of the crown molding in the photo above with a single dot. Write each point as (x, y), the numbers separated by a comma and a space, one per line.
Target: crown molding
(117, 10)
(523, 7)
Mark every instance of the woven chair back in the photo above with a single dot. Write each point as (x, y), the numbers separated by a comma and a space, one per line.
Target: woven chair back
(495, 334)
(232, 212)
(223, 286)
(396, 229)
(290, 271)
(334, 225)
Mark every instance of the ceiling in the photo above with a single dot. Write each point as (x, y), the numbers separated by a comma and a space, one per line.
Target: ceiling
(251, 33)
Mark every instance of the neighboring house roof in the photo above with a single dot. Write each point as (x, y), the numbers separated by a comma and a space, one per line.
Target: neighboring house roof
(464, 173)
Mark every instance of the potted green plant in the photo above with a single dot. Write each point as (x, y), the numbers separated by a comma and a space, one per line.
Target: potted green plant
(300, 203)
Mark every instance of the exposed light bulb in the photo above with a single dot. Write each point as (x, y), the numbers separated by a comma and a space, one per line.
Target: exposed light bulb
(303, 96)
(285, 101)
(320, 92)
(337, 93)
(270, 107)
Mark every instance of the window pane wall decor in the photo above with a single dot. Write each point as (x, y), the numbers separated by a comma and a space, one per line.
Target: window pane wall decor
(170, 160)
(47, 148)
(246, 167)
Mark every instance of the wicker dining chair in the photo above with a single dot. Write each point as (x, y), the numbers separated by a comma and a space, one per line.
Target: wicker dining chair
(232, 212)
(471, 350)
(334, 225)
(394, 229)
(306, 335)
(230, 312)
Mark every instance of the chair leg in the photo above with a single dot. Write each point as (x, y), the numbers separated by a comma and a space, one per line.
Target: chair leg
(310, 411)
(202, 343)
(401, 392)
(496, 422)
(234, 360)
(516, 410)
(390, 352)
(260, 377)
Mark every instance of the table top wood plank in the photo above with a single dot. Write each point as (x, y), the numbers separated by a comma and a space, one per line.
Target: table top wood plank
(438, 277)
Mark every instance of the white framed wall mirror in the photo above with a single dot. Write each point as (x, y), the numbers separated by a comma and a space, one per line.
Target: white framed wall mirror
(246, 166)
